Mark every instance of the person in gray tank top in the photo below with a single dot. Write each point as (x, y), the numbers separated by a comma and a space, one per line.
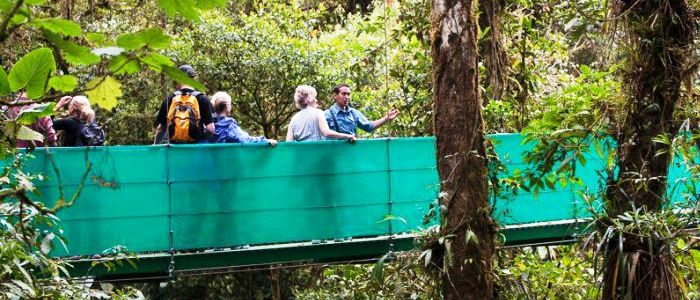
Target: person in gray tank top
(309, 124)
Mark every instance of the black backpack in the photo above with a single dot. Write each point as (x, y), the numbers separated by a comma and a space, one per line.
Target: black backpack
(91, 135)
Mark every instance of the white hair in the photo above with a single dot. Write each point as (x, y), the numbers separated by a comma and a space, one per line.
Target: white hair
(304, 96)
(221, 98)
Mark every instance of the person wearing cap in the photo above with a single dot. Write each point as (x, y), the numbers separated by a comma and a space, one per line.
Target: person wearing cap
(345, 119)
(206, 122)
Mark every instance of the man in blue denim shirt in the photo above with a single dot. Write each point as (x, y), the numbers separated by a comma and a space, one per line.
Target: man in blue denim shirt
(345, 119)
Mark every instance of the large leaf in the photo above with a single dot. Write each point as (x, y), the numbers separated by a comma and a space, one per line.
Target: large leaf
(180, 77)
(104, 91)
(4, 84)
(73, 53)
(30, 115)
(186, 8)
(156, 61)
(27, 134)
(32, 72)
(59, 26)
(123, 64)
(153, 38)
(66, 83)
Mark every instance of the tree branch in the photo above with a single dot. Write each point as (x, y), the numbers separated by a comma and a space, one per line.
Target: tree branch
(4, 32)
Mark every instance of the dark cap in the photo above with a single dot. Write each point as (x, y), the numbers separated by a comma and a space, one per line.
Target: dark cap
(189, 70)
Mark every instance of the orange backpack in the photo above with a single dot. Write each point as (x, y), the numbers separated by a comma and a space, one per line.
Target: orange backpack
(183, 118)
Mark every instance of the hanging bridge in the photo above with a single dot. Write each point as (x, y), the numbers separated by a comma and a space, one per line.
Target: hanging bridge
(184, 208)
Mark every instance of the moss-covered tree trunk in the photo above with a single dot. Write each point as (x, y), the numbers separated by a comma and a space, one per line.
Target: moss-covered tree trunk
(659, 35)
(491, 51)
(460, 149)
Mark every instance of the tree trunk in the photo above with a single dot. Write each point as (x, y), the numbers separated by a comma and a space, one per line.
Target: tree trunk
(460, 152)
(491, 50)
(661, 35)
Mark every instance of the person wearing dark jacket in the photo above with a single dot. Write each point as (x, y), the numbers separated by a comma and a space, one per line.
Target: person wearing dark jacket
(227, 129)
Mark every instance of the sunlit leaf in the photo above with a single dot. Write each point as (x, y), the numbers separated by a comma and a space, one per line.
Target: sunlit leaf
(30, 115)
(27, 134)
(59, 26)
(104, 91)
(153, 38)
(32, 72)
(122, 64)
(4, 83)
(156, 61)
(65, 83)
(185, 8)
(73, 53)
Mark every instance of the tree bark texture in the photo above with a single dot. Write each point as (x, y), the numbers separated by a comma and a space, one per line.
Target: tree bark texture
(491, 50)
(459, 130)
(660, 36)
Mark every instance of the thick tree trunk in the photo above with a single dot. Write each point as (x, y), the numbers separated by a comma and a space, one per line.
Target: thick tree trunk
(460, 149)
(661, 34)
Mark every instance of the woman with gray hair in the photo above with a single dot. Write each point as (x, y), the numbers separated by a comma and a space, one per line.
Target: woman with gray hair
(309, 124)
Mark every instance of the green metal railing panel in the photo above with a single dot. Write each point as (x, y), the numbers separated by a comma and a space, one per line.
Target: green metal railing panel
(214, 196)
(276, 226)
(122, 195)
(284, 194)
(137, 234)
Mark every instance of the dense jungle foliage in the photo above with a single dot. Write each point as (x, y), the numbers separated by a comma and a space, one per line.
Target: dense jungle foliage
(549, 69)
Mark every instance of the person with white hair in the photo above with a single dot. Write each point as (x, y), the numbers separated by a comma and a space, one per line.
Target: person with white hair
(79, 127)
(309, 124)
(226, 128)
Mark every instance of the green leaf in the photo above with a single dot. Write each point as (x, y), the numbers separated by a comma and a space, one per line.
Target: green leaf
(66, 83)
(470, 236)
(186, 8)
(388, 218)
(96, 38)
(153, 38)
(30, 115)
(156, 61)
(34, 2)
(210, 4)
(32, 71)
(27, 134)
(73, 53)
(4, 84)
(123, 64)
(59, 26)
(378, 269)
(104, 92)
(182, 78)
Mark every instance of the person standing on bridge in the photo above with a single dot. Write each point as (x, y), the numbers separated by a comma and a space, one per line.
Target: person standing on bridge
(185, 116)
(345, 119)
(309, 124)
